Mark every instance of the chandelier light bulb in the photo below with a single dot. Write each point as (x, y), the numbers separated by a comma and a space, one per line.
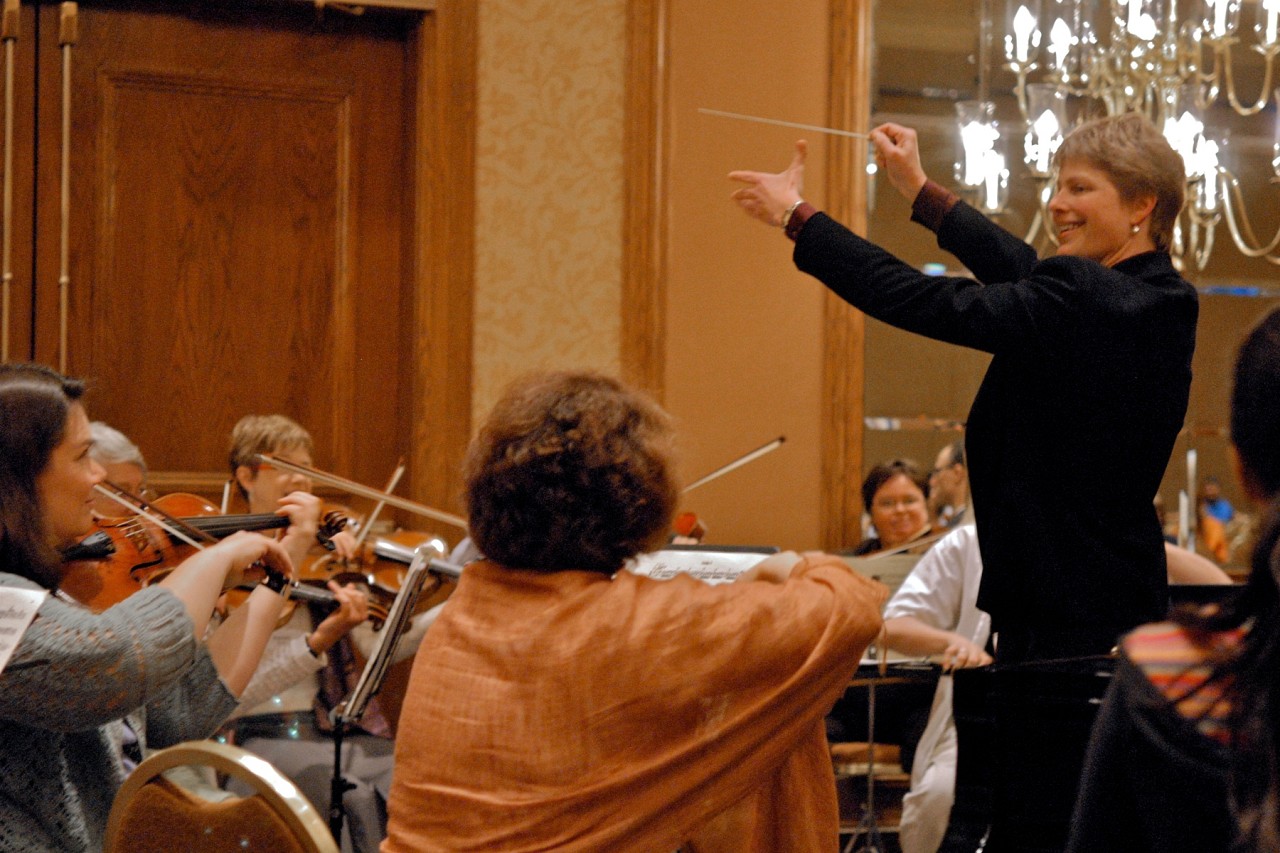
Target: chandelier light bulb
(995, 180)
(1025, 35)
(1043, 139)
(1167, 59)
(978, 140)
(1219, 24)
(1060, 41)
(1268, 28)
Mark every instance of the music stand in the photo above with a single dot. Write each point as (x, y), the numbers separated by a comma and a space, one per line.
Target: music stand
(866, 835)
(375, 671)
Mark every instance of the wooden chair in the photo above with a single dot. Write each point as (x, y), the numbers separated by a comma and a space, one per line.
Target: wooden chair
(151, 814)
(870, 784)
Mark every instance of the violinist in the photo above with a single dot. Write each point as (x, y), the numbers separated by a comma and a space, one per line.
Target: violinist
(895, 495)
(121, 461)
(309, 665)
(589, 708)
(84, 692)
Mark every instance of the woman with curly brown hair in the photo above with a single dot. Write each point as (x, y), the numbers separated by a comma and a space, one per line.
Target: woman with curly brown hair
(562, 702)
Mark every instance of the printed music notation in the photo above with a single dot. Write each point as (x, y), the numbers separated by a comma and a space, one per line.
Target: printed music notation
(710, 564)
(17, 608)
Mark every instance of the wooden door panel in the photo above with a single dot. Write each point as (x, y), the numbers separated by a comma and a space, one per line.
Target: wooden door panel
(237, 227)
(21, 290)
(214, 255)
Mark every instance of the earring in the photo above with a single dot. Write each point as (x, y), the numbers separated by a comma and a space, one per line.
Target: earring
(1137, 226)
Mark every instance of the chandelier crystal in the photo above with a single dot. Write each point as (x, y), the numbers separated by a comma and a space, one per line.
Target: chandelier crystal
(1168, 59)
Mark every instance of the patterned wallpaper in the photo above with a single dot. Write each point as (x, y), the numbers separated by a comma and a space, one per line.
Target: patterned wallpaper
(549, 189)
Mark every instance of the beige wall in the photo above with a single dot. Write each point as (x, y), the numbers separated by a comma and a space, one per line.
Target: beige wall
(743, 357)
(548, 189)
(744, 332)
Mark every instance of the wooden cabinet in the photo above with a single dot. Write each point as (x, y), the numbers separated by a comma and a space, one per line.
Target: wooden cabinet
(249, 211)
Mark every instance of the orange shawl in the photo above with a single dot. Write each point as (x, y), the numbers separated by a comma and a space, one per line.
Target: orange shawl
(573, 711)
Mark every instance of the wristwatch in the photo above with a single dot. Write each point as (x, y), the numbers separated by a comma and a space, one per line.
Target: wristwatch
(786, 214)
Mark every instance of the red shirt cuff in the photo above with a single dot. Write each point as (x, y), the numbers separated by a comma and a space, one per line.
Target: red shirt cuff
(932, 204)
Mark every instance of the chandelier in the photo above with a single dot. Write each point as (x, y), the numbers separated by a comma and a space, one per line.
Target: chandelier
(1168, 59)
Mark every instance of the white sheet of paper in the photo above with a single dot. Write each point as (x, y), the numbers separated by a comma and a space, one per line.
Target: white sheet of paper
(712, 567)
(17, 608)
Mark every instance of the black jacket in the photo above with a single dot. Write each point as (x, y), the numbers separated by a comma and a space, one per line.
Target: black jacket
(1072, 428)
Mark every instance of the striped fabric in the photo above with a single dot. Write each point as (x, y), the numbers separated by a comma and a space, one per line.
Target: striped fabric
(1179, 666)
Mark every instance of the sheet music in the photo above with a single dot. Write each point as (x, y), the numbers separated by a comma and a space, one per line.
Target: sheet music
(707, 563)
(17, 608)
(375, 670)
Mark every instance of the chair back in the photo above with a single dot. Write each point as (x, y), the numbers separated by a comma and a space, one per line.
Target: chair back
(152, 814)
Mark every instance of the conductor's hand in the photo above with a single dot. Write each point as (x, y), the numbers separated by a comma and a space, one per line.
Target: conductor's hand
(962, 654)
(898, 156)
(766, 195)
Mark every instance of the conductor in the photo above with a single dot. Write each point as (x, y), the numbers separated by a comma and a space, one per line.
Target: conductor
(1090, 373)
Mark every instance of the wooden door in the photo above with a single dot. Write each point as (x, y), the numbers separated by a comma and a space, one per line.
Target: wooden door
(16, 319)
(238, 223)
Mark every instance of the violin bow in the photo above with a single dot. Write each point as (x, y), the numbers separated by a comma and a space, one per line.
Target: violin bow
(377, 509)
(753, 455)
(362, 490)
(176, 527)
(907, 546)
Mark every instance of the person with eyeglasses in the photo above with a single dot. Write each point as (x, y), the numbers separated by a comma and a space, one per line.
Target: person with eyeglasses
(895, 496)
(949, 489)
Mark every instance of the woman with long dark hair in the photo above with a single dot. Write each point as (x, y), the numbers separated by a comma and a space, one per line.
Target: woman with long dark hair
(1186, 749)
(84, 692)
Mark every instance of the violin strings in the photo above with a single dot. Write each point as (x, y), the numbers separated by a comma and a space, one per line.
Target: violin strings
(139, 511)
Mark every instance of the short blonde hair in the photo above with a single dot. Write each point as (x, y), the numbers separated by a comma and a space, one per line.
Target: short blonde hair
(1138, 160)
(256, 434)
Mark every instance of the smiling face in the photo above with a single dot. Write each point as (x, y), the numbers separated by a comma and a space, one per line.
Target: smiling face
(1091, 218)
(898, 511)
(65, 486)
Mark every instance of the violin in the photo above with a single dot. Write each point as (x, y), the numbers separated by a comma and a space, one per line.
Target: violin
(127, 553)
(688, 526)
(379, 606)
(382, 566)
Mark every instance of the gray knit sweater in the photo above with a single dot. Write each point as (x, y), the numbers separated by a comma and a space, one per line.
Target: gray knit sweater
(72, 679)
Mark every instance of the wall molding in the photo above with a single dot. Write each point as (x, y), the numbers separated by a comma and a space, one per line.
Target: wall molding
(443, 254)
(843, 339)
(644, 219)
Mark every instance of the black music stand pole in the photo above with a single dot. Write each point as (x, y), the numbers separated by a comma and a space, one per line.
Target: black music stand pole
(338, 785)
(868, 830)
(375, 670)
